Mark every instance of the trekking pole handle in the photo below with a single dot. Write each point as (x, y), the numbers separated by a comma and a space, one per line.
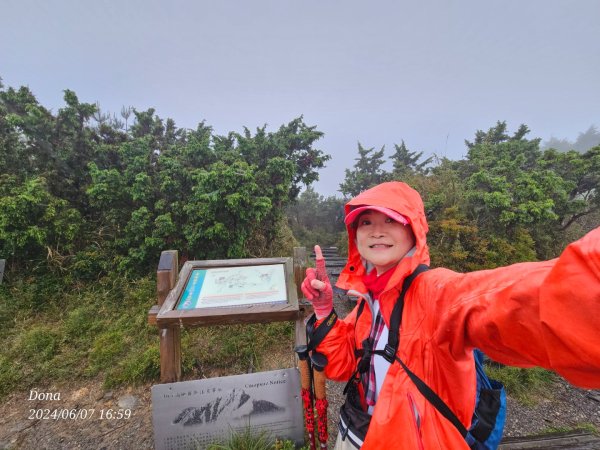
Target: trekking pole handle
(303, 365)
(319, 361)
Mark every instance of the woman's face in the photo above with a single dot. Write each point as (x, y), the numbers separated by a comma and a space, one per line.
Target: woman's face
(381, 240)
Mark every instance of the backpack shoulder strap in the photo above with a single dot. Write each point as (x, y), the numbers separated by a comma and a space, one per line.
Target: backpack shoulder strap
(361, 307)
(434, 399)
(396, 317)
(316, 335)
(392, 346)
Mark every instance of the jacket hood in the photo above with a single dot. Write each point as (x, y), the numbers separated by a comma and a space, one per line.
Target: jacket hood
(403, 199)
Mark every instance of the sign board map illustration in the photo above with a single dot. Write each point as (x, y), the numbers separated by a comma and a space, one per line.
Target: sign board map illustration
(234, 286)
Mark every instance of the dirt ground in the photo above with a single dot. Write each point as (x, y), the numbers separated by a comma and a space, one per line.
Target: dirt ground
(101, 429)
(569, 407)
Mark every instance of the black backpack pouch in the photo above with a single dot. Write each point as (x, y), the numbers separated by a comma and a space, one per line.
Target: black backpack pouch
(354, 421)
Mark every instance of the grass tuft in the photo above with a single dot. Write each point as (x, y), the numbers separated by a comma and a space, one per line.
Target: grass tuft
(527, 386)
(107, 349)
(39, 343)
(580, 427)
(248, 439)
(136, 368)
(9, 375)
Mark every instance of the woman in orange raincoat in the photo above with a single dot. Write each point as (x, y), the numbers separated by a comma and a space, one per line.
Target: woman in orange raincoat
(543, 314)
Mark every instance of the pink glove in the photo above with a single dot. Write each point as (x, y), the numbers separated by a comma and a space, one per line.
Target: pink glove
(316, 287)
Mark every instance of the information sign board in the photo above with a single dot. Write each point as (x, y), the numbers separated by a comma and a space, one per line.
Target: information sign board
(193, 414)
(221, 292)
(234, 286)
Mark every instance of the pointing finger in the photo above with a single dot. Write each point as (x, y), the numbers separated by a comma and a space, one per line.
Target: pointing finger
(320, 263)
(318, 252)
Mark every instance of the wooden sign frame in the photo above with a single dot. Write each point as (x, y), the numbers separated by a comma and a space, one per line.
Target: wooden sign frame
(168, 316)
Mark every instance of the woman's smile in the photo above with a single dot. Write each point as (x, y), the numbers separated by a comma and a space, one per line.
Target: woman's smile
(381, 240)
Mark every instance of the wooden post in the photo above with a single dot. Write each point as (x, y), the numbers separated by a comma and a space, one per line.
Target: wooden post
(2, 264)
(299, 268)
(170, 355)
(170, 338)
(166, 275)
(305, 308)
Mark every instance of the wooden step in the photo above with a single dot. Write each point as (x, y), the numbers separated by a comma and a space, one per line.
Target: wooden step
(574, 440)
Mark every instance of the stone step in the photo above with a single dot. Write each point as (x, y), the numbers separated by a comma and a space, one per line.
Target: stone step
(335, 264)
(339, 262)
(327, 249)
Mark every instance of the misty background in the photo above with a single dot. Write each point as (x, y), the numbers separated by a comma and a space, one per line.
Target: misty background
(430, 74)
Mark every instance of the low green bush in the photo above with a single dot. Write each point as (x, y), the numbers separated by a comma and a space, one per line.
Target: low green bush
(235, 348)
(40, 343)
(81, 323)
(9, 375)
(525, 385)
(247, 439)
(135, 368)
(107, 349)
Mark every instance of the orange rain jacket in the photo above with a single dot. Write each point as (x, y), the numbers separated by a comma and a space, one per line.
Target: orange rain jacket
(528, 314)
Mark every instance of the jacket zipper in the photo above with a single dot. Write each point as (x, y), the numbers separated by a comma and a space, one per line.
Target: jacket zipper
(416, 420)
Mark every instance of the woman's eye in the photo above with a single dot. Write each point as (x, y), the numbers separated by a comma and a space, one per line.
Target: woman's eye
(365, 222)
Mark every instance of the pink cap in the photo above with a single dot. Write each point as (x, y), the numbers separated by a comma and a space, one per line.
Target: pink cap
(352, 215)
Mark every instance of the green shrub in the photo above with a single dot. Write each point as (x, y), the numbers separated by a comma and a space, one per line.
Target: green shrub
(38, 344)
(137, 367)
(90, 264)
(106, 350)
(7, 310)
(9, 375)
(235, 348)
(30, 294)
(82, 322)
(525, 385)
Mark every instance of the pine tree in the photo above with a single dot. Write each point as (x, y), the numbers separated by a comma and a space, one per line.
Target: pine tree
(407, 162)
(367, 171)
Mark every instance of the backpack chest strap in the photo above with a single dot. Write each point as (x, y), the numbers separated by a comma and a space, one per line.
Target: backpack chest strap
(391, 348)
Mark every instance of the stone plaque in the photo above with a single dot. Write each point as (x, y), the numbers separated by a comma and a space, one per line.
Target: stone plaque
(193, 414)
(2, 264)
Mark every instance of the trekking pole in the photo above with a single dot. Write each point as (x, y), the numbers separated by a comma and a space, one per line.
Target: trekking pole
(306, 392)
(319, 361)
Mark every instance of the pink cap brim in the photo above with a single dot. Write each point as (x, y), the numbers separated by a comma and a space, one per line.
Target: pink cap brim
(353, 215)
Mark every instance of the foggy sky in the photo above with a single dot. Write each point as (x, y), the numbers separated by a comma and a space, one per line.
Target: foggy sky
(430, 72)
